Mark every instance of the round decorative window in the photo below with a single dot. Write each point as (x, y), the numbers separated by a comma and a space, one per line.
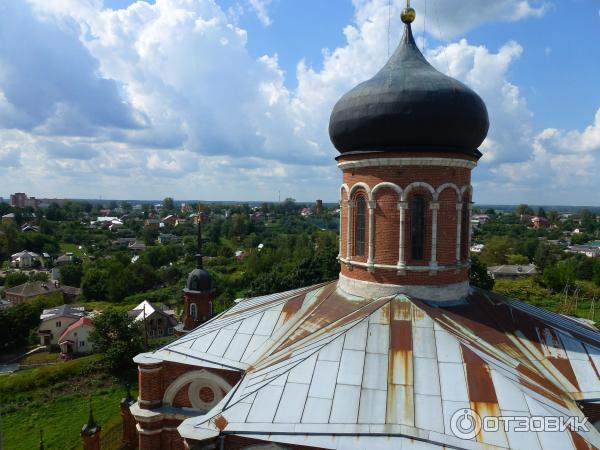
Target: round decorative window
(204, 393)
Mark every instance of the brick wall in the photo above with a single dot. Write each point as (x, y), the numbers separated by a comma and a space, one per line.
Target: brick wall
(202, 300)
(387, 219)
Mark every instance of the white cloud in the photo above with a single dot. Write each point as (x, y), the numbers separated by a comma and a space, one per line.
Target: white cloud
(169, 92)
(261, 9)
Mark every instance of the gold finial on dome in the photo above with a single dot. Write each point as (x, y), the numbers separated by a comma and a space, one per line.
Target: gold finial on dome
(408, 14)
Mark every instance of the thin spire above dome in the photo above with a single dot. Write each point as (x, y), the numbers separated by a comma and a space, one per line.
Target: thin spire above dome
(409, 106)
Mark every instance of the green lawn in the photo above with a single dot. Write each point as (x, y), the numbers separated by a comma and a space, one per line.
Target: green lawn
(41, 358)
(528, 290)
(61, 420)
(55, 399)
(71, 248)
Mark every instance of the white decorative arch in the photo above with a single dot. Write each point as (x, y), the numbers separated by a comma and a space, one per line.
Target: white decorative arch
(415, 185)
(357, 186)
(388, 185)
(445, 186)
(346, 188)
(197, 380)
(466, 188)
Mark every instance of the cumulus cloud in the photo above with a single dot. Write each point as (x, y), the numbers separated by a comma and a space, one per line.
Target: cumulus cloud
(446, 19)
(261, 9)
(48, 79)
(167, 94)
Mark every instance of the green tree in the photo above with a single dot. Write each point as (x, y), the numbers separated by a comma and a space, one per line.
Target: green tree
(71, 275)
(522, 209)
(15, 279)
(94, 284)
(579, 238)
(39, 276)
(497, 249)
(557, 276)
(118, 338)
(479, 276)
(17, 322)
(169, 204)
(547, 254)
(518, 259)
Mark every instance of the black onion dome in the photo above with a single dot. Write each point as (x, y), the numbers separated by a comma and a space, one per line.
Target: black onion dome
(199, 281)
(409, 106)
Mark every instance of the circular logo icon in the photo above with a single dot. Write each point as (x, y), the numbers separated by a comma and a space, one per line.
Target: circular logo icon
(465, 423)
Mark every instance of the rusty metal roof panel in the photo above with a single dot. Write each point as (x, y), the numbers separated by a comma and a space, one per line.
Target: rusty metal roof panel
(396, 366)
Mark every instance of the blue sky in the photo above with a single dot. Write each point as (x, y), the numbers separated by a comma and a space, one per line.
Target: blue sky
(230, 99)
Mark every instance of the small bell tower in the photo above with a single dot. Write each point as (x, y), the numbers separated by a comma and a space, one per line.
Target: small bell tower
(199, 292)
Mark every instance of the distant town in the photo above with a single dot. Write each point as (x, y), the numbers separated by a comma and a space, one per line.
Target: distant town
(75, 272)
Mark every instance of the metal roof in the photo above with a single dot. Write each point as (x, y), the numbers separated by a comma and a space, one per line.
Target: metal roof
(324, 369)
(397, 109)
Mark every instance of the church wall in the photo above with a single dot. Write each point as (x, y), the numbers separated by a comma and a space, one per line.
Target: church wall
(444, 181)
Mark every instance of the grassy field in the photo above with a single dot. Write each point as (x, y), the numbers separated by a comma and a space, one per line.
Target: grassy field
(55, 399)
(71, 248)
(41, 358)
(530, 291)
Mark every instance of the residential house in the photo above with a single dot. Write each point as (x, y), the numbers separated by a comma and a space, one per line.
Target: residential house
(241, 254)
(124, 242)
(164, 238)
(26, 260)
(137, 247)
(27, 228)
(512, 271)
(115, 225)
(153, 224)
(159, 321)
(27, 291)
(76, 338)
(306, 212)
(170, 220)
(540, 223)
(477, 248)
(590, 251)
(180, 221)
(104, 222)
(64, 260)
(4, 304)
(55, 321)
(8, 219)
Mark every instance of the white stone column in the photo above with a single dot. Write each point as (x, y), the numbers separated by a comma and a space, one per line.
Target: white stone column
(350, 204)
(370, 260)
(434, 206)
(402, 207)
(459, 218)
(470, 232)
(340, 246)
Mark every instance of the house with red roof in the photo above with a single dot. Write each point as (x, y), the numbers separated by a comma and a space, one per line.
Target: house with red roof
(76, 338)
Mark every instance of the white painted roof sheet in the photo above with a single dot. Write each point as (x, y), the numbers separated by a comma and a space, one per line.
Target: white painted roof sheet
(391, 372)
